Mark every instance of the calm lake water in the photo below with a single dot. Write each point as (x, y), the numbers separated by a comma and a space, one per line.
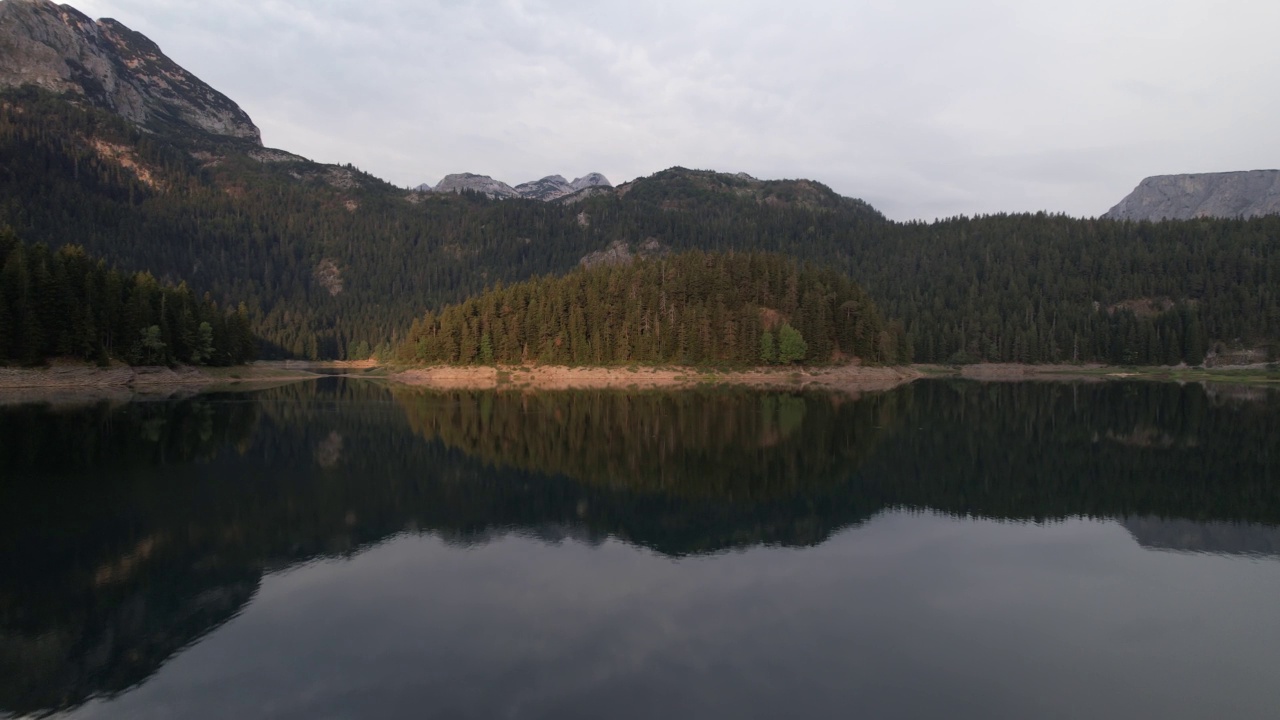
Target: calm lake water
(340, 549)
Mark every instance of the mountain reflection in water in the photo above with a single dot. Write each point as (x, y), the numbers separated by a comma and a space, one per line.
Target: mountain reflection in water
(130, 531)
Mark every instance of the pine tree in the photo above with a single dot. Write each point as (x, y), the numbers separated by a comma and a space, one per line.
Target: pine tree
(768, 353)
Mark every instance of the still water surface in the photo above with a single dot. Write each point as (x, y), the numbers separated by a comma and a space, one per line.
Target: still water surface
(340, 549)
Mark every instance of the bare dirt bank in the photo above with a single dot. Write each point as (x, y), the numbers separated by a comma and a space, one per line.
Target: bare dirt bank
(847, 379)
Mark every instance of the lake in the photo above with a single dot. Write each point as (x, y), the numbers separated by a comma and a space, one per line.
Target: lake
(342, 548)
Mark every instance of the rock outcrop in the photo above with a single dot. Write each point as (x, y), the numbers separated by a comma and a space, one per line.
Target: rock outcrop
(551, 187)
(1183, 197)
(483, 184)
(620, 252)
(57, 48)
(590, 180)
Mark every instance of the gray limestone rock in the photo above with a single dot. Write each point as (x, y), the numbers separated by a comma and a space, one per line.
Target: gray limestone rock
(590, 180)
(620, 252)
(584, 193)
(1182, 197)
(460, 182)
(59, 49)
(549, 188)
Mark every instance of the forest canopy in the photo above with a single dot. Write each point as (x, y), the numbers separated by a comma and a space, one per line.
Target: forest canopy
(333, 263)
(693, 308)
(65, 303)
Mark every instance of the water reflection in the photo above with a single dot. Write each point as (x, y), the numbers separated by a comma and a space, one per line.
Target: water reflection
(130, 531)
(1218, 538)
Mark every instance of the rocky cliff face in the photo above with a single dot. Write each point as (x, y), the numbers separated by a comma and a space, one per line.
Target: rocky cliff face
(57, 48)
(483, 184)
(590, 180)
(548, 188)
(551, 187)
(1182, 197)
(620, 252)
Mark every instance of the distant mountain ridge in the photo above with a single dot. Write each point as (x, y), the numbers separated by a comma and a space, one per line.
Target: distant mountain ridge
(332, 262)
(58, 48)
(551, 187)
(1251, 193)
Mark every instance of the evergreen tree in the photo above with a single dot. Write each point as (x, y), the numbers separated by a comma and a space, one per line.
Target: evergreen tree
(768, 352)
(714, 304)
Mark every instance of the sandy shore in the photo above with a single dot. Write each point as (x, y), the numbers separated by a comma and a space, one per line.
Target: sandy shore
(848, 378)
(66, 381)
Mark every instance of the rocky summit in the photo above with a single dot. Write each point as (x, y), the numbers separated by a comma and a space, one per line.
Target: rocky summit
(551, 187)
(57, 48)
(1182, 197)
(590, 180)
(482, 184)
(548, 188)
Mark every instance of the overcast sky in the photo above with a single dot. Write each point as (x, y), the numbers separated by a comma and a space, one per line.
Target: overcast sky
(925, 109)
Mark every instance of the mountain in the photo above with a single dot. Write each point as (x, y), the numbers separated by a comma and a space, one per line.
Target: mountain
(331, 261)
(57, 48)
(482, 184)
(551, 187)
(1182, 197)
(684, 188)
(590, 180)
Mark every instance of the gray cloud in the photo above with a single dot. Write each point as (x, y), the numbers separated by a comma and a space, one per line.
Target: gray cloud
(926, 109)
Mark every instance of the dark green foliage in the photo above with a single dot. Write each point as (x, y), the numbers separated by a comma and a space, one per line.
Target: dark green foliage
(66, 304)
(261, 232)
(768, 350)
(1022, 288)
(692, 308)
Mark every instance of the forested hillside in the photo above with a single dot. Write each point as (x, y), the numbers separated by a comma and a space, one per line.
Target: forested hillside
(332, 262)
(327, 259)
(68, 304)
(692, 309)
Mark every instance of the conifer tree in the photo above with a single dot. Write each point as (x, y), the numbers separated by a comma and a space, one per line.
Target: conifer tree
(768, 352)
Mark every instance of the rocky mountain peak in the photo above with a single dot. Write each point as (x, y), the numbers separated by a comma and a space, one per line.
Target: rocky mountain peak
(482, 184)
(1183, 197)
(590, 180)
(60, 49)
(551, 187)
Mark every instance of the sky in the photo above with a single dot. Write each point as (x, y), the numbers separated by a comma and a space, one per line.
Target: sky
(925, 109)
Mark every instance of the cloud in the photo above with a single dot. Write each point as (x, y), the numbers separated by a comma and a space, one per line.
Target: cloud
(927, 109)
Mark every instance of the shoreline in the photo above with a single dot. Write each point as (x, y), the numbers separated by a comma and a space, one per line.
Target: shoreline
(1257, 374)
(848, 378)
(65, 379)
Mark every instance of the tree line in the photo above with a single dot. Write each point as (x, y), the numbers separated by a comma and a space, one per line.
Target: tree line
(694, 308)
(1011, 288)
(65, 303)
